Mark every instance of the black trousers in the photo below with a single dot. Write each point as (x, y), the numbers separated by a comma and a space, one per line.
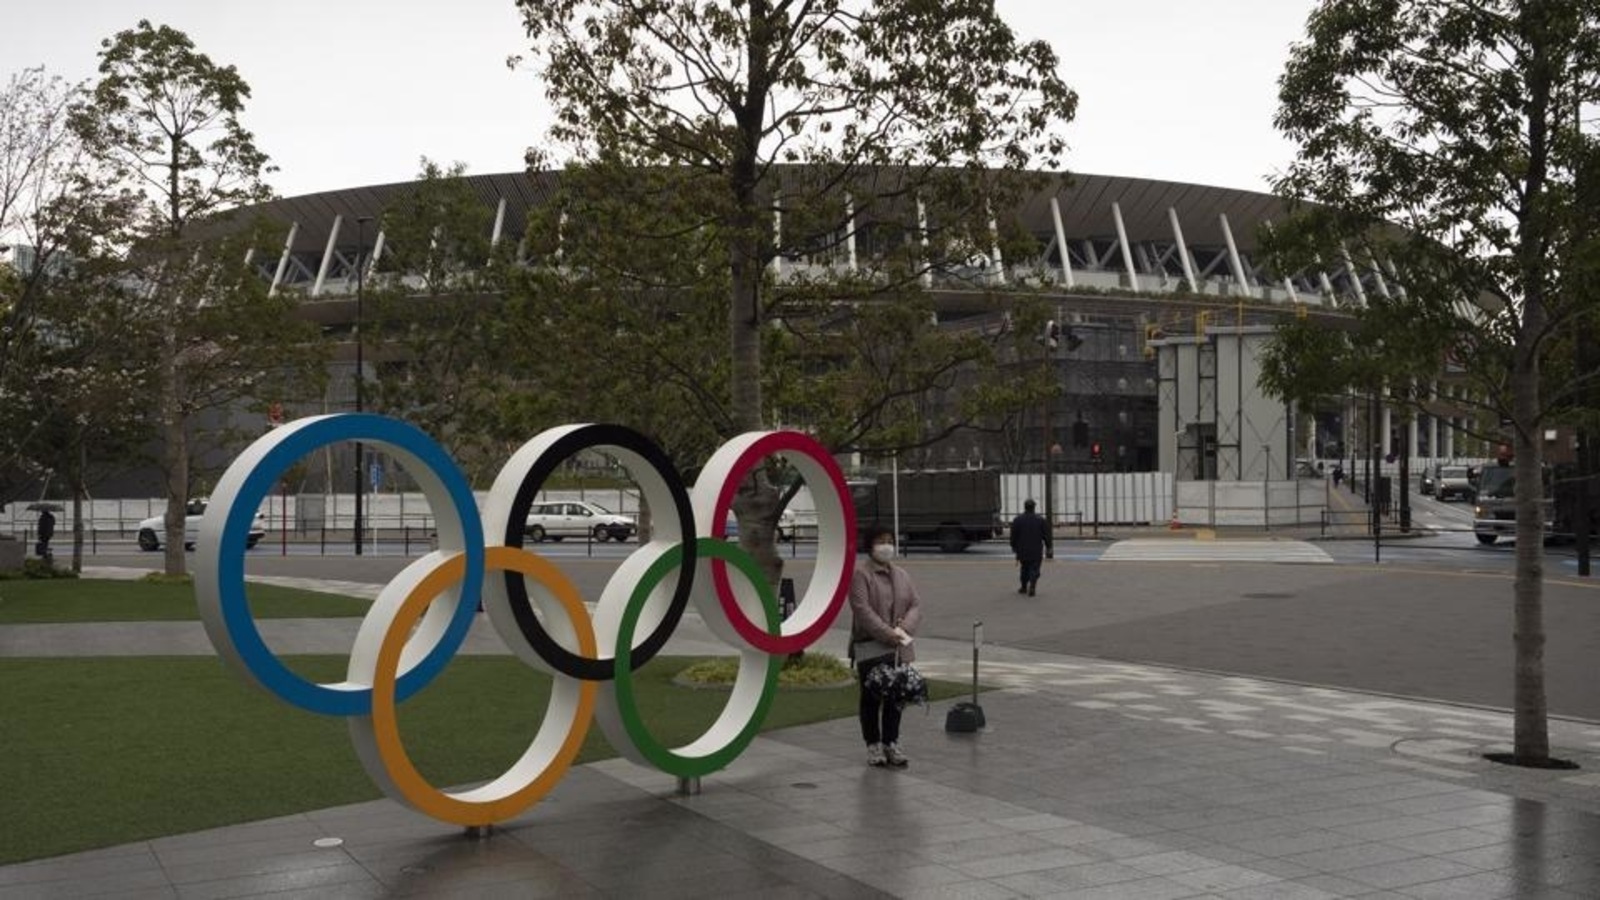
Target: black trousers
(880, 721)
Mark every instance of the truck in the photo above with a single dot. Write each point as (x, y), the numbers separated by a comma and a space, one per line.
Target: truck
(950, 509)
(1494, 514)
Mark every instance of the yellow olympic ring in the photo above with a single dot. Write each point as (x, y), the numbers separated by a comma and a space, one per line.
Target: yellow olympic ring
(549, 755)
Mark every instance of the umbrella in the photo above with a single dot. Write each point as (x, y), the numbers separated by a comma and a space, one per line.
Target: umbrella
(44, 507)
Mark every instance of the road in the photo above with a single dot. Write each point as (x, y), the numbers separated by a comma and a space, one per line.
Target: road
(1432, 620)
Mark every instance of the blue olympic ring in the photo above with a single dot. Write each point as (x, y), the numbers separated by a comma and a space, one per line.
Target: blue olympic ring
(246, 484)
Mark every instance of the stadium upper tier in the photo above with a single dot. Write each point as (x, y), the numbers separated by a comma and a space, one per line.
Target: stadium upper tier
(1119, 234)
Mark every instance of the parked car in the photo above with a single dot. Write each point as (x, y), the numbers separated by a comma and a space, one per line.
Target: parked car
(557, 519)
(786, 525)
(153, 531)
(1454, 482)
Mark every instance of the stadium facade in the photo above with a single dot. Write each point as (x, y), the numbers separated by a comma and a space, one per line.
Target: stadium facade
(1134, 268)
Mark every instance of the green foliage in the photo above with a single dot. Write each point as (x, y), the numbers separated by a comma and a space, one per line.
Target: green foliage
(810, 670)
(172, 157)
(165, 118)
(32, 570)
(680, 143)
(1441, 141)
(441, 365)
(1460, 123)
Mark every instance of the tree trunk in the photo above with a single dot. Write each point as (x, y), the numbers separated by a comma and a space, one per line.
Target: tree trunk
(1532, 738)
(78, 493)
(175, 458)
(1531, 733)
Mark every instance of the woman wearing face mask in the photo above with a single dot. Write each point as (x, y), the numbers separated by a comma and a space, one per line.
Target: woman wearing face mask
(885, 611)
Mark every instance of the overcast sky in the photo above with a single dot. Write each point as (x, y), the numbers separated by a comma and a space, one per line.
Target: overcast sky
(350, 92)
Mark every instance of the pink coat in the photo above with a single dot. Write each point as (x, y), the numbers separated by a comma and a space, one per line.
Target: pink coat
(880, 598)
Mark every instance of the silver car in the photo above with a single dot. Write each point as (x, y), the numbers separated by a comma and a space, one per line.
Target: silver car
(557, 519)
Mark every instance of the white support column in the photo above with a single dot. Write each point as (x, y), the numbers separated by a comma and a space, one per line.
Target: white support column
(1183, 250)
(327, 255)
(850, 231)
(1122, 241)
(1234, 262)
(1377, 277)
(1394, 274)
(372, 258)
(561, 235)
(922, 233)
(994, 247)
(1326, 283)
(1355, 277)
(249, 255)
(1386, 429)
(499, 223)
(283, 261)
(1061, 242)
(1288, 283)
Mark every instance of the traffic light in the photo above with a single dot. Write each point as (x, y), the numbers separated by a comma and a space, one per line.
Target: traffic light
(1094, 452)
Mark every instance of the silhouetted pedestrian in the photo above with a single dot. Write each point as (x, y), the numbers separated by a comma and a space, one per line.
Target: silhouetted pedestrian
(1030, 541)
(47, 530)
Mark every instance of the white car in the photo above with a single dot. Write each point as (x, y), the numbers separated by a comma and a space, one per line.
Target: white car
(154, 529)
(786, 525)
(557, 519)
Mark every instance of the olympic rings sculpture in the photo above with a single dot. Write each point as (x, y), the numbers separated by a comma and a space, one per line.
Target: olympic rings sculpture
(421, 617)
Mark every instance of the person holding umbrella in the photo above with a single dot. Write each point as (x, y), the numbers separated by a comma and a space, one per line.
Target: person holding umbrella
(47, 530)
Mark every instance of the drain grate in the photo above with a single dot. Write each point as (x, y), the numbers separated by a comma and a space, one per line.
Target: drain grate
(1267, 596)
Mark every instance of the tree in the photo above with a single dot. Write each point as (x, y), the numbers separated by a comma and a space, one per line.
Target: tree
(431, 303)
(891, 104)
(164, 120)
(1440, 135)
(39, 159)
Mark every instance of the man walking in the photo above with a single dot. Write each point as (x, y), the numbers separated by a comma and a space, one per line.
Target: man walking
(1030, 541)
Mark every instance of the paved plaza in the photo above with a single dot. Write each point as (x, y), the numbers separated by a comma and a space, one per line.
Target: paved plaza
(1095, 779)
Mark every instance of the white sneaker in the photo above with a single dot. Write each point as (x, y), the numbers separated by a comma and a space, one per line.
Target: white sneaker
(893, 756)
(875, 755)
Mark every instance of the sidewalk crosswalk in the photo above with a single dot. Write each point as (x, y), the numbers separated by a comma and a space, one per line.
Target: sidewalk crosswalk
(1167, 550)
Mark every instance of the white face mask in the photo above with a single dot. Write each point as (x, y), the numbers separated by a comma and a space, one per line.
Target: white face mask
(883, 553)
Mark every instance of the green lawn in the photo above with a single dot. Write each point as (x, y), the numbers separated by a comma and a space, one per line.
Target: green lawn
(102, 751)
(95, 600)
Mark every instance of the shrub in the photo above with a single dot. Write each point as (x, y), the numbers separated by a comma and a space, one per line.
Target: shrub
(36, 568)
(810, 670)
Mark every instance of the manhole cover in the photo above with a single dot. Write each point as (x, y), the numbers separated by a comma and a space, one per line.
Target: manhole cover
(804, 786)
(328, 842)
(1267, 596)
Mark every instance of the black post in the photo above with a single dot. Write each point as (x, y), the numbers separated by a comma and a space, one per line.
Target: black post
(1582, 510)
(361, 251)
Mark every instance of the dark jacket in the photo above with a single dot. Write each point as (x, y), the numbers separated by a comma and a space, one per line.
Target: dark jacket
(1030, 536)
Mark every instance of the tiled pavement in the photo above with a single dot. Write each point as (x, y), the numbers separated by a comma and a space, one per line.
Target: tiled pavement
(1094, 779)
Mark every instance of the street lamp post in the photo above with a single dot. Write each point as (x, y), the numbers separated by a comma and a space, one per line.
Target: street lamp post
(361, 372)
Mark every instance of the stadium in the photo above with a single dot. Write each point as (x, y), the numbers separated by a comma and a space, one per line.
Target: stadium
(1130, 264)
(1162, 302)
